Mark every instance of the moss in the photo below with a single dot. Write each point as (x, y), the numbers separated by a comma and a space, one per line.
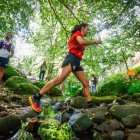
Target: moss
(25, 89)
(14, 80)
(10, 71)
(39, 84)
(55, 92)
(104, 99)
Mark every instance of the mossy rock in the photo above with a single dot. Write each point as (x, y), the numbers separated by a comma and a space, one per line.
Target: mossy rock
(14, 80)
(55, 92)
(122, 111)
(105, 99)
(39, 84)
(25, 89)
(79, 102)
(10, 71)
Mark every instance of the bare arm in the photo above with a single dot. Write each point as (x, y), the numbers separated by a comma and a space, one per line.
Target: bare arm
(81, 41)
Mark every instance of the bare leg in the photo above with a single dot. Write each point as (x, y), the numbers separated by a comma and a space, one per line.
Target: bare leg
(81, 76)
(1, 72)
(64, 72)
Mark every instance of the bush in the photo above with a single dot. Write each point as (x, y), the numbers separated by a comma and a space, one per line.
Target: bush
(134, 87)
(114, 85)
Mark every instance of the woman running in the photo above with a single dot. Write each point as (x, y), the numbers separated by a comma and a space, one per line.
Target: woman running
(70, 64)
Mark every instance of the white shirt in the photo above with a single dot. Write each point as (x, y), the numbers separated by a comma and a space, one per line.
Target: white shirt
(4, 52)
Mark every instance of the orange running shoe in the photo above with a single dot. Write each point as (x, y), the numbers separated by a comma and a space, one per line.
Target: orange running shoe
(35, 104)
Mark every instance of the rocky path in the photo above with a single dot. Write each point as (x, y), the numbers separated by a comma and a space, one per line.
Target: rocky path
(107, 120)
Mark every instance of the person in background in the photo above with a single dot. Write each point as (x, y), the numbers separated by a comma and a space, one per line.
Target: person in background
(93, 83)
(71, 63)
(43, 68)
(6, 52)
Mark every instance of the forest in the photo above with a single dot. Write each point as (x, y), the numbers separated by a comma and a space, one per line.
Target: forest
(40, 31)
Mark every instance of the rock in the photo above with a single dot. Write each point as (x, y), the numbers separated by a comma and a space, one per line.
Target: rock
(126, 97)
(136, 130)
(122, 111)
(99, 118)
(117, 135)
(25, 89)
(131, 121)
(134, 136)
(10, 71)
(106, 136)
(45, 101)
(97, 136)
(14, 80)
(62, 118)
(58, 106)
(7, 99)
(109, 126)
(9, 123)
(98, 109)
(79, 122)
(79, 102)
(104, 99)
(55, 92)
(103, 105)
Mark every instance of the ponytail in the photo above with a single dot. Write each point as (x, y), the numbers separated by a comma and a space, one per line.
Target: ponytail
(78, 27)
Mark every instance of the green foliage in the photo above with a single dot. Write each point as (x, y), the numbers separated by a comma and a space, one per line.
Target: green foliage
(53, 132)
(113, 85)
(14, 80)
(137, 69)
(134, 87)
(51, 129)
(72, 91)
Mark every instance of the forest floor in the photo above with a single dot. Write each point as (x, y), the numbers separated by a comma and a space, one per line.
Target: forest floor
(113, 118)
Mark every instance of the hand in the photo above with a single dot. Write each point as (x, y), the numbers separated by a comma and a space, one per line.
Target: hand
(98, 42)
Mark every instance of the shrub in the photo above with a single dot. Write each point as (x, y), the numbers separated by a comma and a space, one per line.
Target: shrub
(113, 85)
(134, 87)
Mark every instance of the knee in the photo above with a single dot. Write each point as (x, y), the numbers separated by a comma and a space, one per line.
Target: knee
(58, 81)
(86, 84)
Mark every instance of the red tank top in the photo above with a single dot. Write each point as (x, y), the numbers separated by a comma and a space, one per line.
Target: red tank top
(75, 47)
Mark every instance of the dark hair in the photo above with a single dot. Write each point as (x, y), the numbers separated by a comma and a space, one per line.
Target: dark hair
(78, 27)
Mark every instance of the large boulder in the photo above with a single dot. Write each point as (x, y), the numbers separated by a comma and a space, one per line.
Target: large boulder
(26, 89)
(131, 121)
(14, 80)
(122, 111)
(10, 71)
(99, 118)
